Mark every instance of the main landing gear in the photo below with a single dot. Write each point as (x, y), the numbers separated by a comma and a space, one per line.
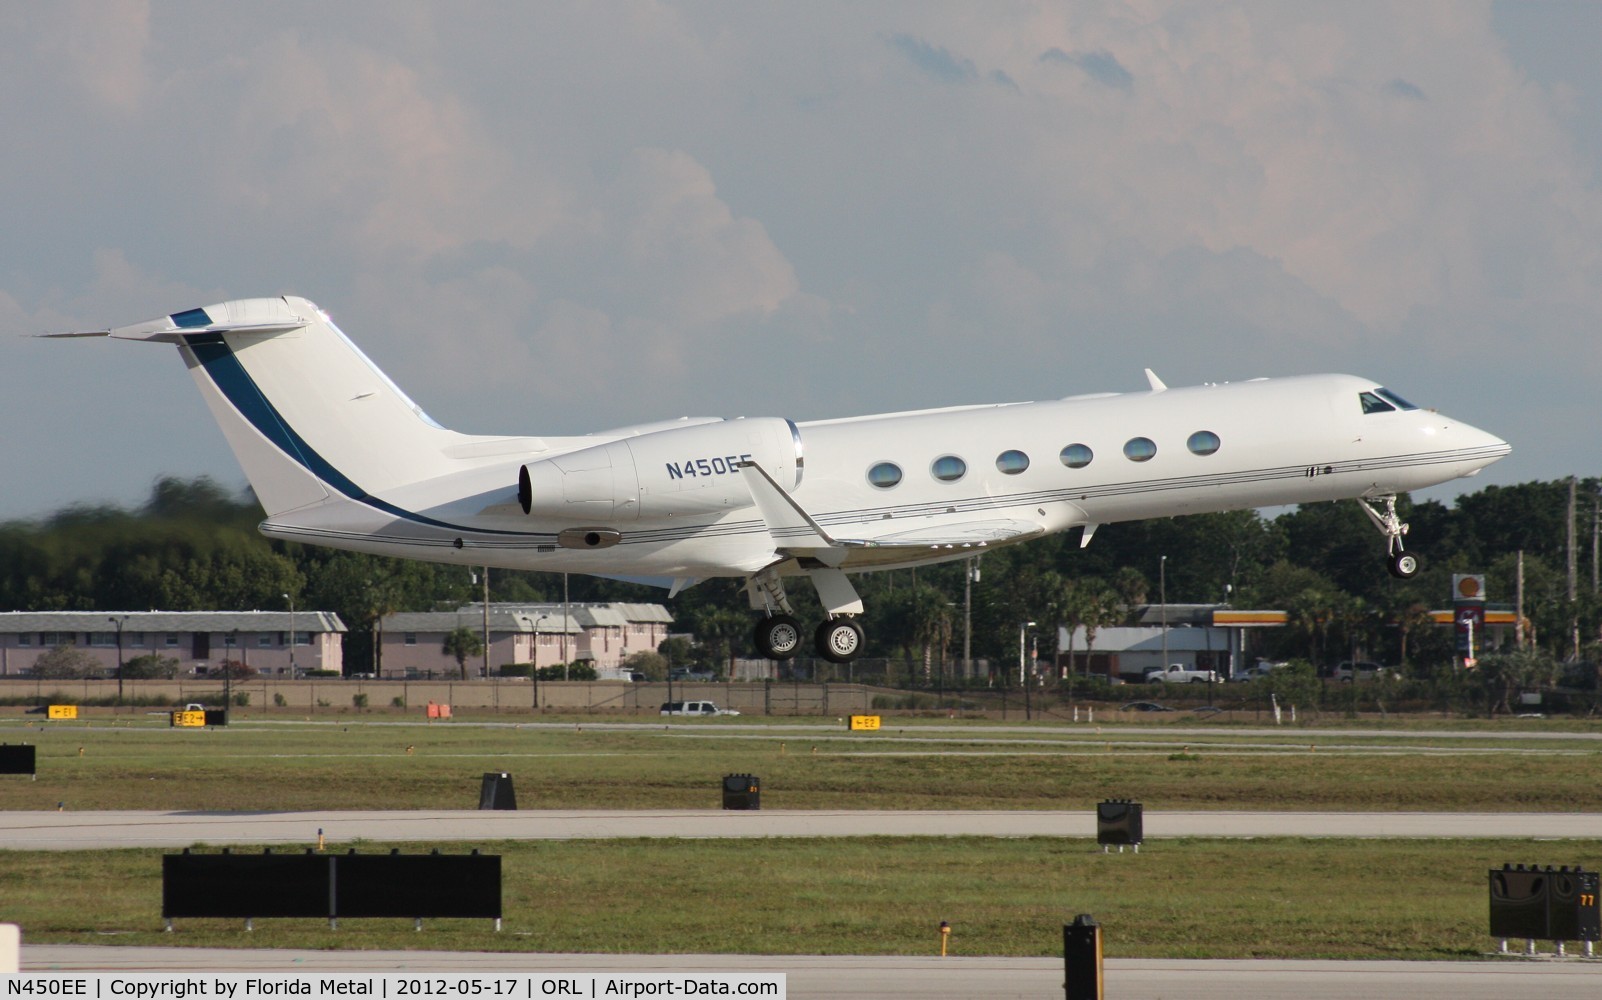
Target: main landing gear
(1403, 564)
(778, 635)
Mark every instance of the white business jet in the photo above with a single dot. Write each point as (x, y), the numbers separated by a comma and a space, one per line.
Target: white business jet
(340, 456)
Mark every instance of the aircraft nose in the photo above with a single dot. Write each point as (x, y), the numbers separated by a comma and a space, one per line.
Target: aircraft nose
(1478, 448)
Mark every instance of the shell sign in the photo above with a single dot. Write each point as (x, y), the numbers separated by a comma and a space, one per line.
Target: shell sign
(1468, 586)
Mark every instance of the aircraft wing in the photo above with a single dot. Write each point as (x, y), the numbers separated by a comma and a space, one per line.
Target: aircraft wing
(954, 534)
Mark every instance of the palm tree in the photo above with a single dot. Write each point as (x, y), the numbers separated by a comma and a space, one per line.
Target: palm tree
(1103, 610)
(462, 642)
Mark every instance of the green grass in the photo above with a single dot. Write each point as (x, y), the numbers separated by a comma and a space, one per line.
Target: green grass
(1178, 898)
(1186, 898)
(139, 764)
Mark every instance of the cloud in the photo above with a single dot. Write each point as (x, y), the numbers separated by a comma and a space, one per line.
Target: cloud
(1407, 91)
(1100, 65)
(937, 62)
(99, 48)
(600, 213)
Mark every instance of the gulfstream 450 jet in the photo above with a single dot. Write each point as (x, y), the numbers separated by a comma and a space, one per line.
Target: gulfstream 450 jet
(340, 456)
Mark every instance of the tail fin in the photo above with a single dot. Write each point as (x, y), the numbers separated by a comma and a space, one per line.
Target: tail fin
(306, 413)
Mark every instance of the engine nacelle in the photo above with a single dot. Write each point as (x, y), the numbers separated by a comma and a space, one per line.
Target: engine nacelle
(682, 472)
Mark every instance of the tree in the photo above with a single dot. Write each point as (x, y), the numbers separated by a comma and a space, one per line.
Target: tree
(65, 661)
(1504, 674)
(151, 666)
(675, 650)
(463, 642)
(1102, 610)
(235, 669)
(653, 665)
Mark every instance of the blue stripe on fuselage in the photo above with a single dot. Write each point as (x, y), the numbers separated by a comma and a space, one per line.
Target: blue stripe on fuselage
(231, 379)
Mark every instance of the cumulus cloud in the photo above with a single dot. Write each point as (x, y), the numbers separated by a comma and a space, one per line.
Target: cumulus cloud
(813, 214)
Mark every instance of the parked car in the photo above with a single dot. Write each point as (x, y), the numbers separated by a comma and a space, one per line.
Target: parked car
(695, 708)
(1362, 670)
(1178, 673)
(1260, 669)
(1145, 706)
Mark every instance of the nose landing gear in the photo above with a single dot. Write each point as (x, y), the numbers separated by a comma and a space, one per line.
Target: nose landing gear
(1402, 564)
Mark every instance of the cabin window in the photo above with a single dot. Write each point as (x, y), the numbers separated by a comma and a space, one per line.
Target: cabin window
(1203, 443)
(948, 468)
(1077, 456)
(1012, 462)
(1140, 449)
(1374, 404)
(885, 475)
(1392, 397)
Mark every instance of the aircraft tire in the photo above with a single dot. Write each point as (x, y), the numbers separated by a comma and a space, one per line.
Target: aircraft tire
(1404, 565)
(777, 637)
(839, 640)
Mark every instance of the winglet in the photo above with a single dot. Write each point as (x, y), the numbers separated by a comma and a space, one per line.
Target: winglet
(1156, 383)
(789, 525)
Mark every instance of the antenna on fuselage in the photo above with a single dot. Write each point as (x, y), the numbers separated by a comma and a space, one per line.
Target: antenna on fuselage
(1156, 383)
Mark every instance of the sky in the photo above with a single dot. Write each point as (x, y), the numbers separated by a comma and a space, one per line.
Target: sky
(556, 219)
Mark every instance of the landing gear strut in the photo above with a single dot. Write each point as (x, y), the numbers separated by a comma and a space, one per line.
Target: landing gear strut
(1403, 564)
(778, 634)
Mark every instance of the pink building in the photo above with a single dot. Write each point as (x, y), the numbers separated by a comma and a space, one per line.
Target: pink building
(602, 635)
(198, 640)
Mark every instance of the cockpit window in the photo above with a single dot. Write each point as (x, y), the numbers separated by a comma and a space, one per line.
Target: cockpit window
(1401, 403)
(1374, 404)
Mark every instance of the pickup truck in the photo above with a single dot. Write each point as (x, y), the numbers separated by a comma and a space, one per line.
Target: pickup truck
(695, 708)
(1178, 673)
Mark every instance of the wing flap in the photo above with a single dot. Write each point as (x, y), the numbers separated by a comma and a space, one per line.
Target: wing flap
(955, 535)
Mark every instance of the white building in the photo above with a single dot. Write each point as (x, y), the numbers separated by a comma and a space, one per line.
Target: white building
(1197, 636)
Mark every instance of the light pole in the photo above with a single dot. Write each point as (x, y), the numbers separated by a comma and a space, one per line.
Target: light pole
(1023, 628)
(291, 601)
(1023, 631)
(1162, 597)
(119, 623)
(228, 677)
(969, 579)
(534, 667)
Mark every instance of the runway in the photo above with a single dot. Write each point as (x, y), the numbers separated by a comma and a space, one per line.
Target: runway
(814, 976)
(866, 978)
(95, 830)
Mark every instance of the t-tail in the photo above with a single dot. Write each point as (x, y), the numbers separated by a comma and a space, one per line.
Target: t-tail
(315, 424)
